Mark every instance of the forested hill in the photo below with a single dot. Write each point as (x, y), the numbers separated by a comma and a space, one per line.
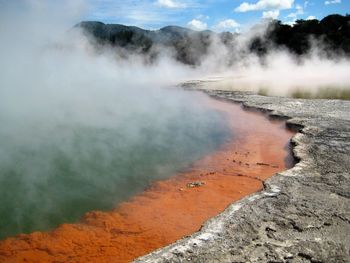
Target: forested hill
(188, 45)
(332, 33)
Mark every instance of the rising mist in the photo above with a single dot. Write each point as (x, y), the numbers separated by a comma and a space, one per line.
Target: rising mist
(83, 131)
(85, 128)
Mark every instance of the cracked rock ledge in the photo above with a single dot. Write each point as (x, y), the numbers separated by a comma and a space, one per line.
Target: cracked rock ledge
(303, 214)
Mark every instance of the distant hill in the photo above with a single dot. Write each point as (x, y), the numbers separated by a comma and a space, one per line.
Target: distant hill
(191, 46)
(332, 32)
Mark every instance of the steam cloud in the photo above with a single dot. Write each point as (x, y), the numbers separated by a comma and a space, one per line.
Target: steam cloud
(82, 130)
(282, 74)
(278, 72)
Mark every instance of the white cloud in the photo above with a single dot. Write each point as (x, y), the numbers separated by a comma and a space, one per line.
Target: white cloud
(291, 23)
(197, 25)
(273, 14)
(127, 12)
(332, 2)
(311, 18)
(202, 17)
(143, 13)
(298, 11)
(227, 24)
(266, 4)
(170, 4)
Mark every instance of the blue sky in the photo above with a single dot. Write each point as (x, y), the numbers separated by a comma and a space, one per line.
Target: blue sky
(218, 15)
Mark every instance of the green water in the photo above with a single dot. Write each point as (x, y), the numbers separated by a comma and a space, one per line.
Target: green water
(54, 172)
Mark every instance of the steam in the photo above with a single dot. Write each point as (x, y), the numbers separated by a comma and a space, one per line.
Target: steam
(277, 73)
(83, 129)
(282, 74)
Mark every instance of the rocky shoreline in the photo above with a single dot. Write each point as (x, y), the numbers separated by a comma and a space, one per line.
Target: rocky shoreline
(303, 214)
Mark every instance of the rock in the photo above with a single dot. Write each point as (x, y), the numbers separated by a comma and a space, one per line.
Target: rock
(195, 184)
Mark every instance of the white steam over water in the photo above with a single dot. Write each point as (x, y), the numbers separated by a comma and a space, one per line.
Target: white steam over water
(82, 131)
(281, 74)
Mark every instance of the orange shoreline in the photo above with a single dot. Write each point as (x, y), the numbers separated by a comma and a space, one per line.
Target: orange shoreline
(169, 209)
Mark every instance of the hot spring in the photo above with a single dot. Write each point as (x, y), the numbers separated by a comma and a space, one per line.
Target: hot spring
(55, 171)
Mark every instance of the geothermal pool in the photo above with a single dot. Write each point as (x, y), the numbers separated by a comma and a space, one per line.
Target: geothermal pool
(55, 173)
(153, 191)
